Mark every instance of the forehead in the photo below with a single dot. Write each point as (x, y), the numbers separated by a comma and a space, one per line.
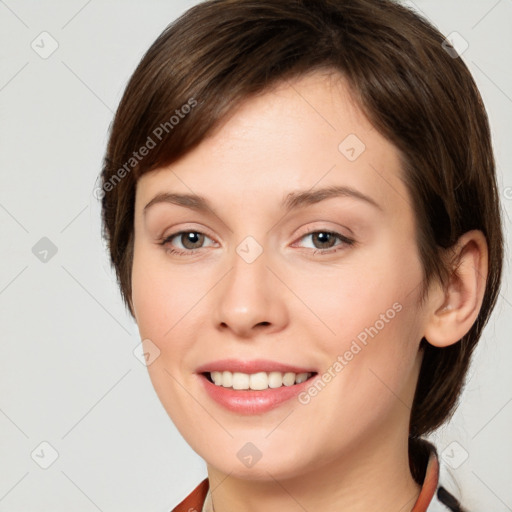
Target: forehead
(302, 134)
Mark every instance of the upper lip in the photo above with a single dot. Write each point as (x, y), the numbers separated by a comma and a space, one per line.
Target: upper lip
(252, 366)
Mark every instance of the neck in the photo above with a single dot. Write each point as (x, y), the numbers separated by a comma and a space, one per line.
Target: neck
(372, 476)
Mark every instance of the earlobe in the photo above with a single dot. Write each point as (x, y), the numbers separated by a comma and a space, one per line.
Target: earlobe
(462, 298)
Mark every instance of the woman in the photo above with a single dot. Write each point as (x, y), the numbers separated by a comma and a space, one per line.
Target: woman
(300, 204)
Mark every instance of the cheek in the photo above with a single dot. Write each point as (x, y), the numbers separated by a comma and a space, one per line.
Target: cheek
(163, 301)
(364, 292)
(154, 311)
(370, 364)
(370, 325)
(169, 305)
(161, 294)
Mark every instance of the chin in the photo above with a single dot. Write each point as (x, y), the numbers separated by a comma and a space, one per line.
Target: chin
(263, 470)
(252, 461)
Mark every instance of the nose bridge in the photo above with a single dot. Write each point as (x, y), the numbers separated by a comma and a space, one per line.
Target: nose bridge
(249, 296)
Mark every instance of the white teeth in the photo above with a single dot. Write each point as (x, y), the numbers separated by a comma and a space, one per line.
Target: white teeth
(227, 379)
(257, 381)
(289, 379)
(301, 377)
(240, 380)
(275, 379)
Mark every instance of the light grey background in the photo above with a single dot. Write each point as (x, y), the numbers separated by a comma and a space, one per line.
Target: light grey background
(68, 375)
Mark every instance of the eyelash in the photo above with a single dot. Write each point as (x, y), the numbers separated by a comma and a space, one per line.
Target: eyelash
(346, 242)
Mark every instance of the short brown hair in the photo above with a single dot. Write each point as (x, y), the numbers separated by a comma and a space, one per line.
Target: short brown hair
(418, 95)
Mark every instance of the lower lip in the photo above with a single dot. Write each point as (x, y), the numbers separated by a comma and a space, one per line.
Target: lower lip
(252, 402)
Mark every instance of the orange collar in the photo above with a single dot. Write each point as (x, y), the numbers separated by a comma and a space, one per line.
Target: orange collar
(430, 484)
(195, 500)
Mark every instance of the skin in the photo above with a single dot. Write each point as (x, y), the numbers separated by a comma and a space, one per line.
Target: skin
(347, 448)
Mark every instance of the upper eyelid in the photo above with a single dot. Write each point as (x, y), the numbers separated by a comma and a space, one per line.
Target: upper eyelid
(340, 236)
(185, 230)
(171, 236)
(324, 229)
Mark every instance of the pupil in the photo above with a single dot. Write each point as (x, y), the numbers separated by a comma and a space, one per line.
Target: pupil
(188, 239)
(323, 234)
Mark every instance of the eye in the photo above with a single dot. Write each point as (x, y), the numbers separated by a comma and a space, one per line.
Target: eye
(325, 241)
(191, 241)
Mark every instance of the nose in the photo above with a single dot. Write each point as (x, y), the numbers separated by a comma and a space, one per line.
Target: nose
(250, 299)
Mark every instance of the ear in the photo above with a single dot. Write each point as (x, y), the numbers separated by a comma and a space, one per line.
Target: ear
(454, 309)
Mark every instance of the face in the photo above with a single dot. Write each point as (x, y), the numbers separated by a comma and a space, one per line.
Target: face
(298, 262)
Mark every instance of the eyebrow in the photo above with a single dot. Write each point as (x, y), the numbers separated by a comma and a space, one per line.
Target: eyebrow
(291, 201)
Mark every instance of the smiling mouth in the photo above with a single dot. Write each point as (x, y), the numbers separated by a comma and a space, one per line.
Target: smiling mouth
(260, 381)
